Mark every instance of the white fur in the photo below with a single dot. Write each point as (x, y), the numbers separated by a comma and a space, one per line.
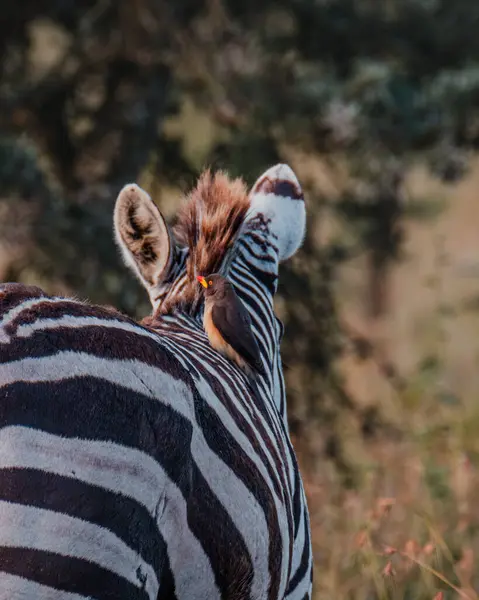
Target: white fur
(288, 216)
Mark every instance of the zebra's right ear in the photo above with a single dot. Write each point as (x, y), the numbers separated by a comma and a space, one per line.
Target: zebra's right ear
(143, 235)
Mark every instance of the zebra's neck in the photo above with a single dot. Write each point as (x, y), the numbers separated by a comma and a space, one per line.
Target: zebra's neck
(254, 273)
(252, 268)
(185, 337)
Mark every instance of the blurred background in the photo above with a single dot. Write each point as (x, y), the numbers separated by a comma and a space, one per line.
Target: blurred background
(375, 105)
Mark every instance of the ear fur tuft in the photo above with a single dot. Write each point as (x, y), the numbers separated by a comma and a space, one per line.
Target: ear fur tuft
(143, 235)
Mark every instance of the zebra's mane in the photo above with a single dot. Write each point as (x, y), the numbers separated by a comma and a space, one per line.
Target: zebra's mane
(207, 225)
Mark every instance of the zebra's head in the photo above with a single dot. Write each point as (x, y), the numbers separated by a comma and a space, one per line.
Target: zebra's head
(221, 228)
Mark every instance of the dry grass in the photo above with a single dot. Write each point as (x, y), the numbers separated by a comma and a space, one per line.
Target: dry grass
(409, 530)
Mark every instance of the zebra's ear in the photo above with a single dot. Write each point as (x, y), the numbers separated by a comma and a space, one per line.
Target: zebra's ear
(278, 195)
(143, 235)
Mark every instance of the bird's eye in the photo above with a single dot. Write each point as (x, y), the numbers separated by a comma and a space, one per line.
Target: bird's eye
(210, 282)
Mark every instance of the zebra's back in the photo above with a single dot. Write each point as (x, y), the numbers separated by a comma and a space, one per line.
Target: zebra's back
(121, 475)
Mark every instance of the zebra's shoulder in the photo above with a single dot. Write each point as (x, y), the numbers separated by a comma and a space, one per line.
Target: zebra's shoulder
(35, 325)
(26, 306)
(16, 298)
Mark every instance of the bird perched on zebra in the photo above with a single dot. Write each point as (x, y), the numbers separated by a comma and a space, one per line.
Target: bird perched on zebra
(136, 462)
(228, 324)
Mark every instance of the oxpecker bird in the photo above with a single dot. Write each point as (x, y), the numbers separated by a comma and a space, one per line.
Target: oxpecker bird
(228, 324)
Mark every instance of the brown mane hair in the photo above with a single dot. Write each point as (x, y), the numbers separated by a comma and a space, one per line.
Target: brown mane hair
(207, 225)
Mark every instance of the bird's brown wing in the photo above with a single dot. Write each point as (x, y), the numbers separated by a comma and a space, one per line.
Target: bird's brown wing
(232, 320)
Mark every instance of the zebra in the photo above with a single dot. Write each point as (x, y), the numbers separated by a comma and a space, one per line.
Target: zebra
(136, 462)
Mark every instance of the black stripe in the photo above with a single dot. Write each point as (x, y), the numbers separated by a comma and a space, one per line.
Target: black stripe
(298, 497)
(304, 562)
(264, 311)
(13, 294)
(287, 189)
(62, 308)
(92, 409)
(267, 278)
(251, 249)
(67, 573)
(282, 391)
(101, 341)
(127, 519)
(89, 408)
(248, 301)
(279, 187)
(220, 539)
(275, 474)
(167, 583)
(259, 231)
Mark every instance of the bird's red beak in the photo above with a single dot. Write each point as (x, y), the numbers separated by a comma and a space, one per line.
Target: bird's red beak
(202, 280)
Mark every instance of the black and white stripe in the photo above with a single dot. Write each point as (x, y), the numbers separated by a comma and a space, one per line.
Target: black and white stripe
(138, 463)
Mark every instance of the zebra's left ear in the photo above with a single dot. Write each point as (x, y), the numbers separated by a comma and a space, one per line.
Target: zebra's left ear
(143, 235)
(278, 196)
